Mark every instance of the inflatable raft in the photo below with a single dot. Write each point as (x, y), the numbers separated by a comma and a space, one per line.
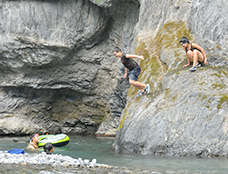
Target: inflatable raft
(56, 140)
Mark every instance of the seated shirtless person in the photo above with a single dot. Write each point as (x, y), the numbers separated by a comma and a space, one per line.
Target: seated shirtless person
(34, 143)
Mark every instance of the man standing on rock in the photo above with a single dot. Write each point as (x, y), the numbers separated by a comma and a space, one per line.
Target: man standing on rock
(133, 69)
(34, 143)
(194, 52)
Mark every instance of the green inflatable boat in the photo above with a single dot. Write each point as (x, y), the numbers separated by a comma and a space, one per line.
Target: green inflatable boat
(56, 140)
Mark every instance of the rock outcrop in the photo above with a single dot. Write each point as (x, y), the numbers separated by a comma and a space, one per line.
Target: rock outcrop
(187, 113)
(57, 70)
(58, 73)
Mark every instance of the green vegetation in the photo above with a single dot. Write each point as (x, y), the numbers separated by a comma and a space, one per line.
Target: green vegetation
(123, 118)
(152, 67)
(224, 71)
(223, 98)
(203, 97)
(170, 34)
(122, 121)
(216, 74)
(217, 86)
(218, 47)
(167, 38)
(10, 115)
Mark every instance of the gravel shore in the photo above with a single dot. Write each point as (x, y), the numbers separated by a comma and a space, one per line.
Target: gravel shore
(57, 163)
(44, 159)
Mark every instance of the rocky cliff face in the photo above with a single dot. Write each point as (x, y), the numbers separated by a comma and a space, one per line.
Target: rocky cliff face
(58, 73)
(187, 113)
(57, 70)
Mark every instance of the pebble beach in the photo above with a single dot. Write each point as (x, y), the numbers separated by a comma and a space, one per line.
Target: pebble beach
(44, 159)
(59, 161)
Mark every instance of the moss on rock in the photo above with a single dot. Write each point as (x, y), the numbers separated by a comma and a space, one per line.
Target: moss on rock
(223, 98)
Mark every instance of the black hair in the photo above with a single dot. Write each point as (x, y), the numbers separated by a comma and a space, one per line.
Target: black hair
(47, 148)
(116, 49)
(33, 135)
(184, 39)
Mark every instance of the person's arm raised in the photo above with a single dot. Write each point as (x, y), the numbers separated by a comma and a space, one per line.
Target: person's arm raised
(134, 56)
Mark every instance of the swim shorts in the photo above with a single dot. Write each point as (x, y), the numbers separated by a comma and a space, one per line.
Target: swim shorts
(133, 74)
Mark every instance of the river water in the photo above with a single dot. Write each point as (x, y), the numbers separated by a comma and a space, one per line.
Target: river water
(101, 149)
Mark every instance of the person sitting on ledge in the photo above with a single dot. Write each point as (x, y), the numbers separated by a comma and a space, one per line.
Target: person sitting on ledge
(34, 142)
(48, 148)
(194, 52)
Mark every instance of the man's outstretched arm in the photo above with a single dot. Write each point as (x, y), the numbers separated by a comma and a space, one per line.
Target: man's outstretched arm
(134, 56)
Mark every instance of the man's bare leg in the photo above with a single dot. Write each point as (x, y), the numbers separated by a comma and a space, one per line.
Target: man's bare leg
(137, 84)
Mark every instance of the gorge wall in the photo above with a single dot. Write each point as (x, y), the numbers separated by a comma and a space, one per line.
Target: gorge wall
(58, 73)
(57, 70)
(187, 113)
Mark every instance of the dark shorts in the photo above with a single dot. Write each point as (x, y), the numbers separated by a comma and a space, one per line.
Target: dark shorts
(133, 74)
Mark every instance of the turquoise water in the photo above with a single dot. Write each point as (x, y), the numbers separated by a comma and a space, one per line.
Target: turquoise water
(101, 149)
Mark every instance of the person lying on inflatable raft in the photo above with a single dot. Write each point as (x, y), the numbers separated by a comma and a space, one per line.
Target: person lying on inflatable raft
(34, 142)
(40, 140)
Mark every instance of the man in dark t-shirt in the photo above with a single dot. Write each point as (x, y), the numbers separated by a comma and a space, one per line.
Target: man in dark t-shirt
(133, 69)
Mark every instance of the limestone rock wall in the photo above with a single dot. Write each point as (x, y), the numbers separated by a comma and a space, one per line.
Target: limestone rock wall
(57, 70)
(58, 73)
(187, 113)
